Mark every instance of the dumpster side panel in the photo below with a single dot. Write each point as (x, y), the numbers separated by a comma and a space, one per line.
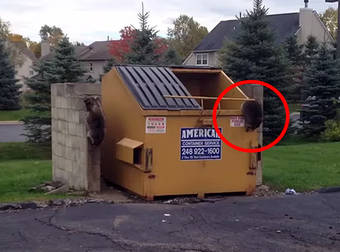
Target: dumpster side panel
(123, 120)
(174, 176)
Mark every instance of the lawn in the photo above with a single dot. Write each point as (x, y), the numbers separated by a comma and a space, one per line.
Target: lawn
(23, 166)
(304, 167)
(13, 115)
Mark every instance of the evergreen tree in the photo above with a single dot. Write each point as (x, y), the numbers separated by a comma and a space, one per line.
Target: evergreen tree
(322, 89)
(294, 53)
(254, 55)
(9, 90)
(311, 50)
(171, 57)
(68, 68)
(63, 67)
(108, 66)
(144, 46)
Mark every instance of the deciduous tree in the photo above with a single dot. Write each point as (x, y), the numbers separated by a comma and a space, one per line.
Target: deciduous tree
(330, 19)
(185, 35)
(52, 34)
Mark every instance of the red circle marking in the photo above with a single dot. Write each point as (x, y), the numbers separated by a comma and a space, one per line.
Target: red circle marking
(253, 82)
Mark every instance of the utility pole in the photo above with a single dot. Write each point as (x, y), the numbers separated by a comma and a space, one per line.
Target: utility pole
(338, 36)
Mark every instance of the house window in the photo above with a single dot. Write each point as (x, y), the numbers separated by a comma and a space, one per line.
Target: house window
(31, 72)
(91, 67)
(202, 59)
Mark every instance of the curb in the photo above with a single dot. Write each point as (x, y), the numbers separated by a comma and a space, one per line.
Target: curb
(11, 123)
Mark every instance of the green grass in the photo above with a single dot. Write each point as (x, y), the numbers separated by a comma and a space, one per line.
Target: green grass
(13, 115)
(304, 167)
(19, 151)
(23, 166)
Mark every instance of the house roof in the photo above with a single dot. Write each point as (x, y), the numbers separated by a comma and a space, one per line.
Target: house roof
(149, 85)
(21, 46)
(283, 25)
(98, 50)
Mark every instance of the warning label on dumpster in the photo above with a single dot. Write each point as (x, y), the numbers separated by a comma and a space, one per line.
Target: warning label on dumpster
(200, 144)
(237, 121)
(155, 125)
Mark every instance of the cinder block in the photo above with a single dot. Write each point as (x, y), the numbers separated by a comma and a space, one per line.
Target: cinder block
(77, 104)
(61, 139)
(60, 175)
(69, 89)
(87, 89)
(71, 154)
(61, 102)
(60, 90)
(81, 130)
(69, 140)
(72, 129)
(62, 114)
(68, 165)
(83, 117)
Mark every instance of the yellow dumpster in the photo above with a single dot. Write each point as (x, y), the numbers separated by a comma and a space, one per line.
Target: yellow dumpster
(160, 140)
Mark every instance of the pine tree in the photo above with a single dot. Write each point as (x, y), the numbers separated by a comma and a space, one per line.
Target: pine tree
(108, 66)
(322, 89)
(68, 68)
(144, 47)
(311, 49)
(63, 67)
(9, 90)
(254, 55)
(295, 55)
(170, 57)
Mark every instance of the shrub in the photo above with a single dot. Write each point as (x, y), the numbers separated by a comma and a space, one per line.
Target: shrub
(332, 131)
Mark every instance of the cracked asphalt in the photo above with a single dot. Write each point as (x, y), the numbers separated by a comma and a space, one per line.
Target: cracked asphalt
(289, 223)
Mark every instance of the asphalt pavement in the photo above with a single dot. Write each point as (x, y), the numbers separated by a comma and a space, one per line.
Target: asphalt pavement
(286, 223)
(11, 133)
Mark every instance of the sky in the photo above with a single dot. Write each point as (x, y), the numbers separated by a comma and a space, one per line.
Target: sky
(91, 20)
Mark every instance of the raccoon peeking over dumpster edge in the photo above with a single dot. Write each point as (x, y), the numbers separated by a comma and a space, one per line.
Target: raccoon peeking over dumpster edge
(95, 120)
(253, 115)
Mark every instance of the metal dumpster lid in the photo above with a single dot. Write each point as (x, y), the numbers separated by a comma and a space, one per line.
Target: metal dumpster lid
(149, 85)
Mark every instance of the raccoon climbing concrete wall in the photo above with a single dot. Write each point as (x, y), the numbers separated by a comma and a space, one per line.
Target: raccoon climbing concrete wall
(76, 162)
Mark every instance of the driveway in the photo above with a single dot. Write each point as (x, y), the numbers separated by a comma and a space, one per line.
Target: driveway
(287, 223)
(11, 132)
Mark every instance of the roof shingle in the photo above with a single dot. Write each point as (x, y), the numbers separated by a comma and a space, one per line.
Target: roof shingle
(283, 25)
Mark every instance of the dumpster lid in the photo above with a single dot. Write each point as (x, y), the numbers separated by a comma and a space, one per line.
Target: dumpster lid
(149, 85)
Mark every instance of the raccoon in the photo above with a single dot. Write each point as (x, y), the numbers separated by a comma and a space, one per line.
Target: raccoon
(95, 120)
(253, 115)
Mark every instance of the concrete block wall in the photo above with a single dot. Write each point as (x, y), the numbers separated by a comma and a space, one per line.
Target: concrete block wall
(75, 162)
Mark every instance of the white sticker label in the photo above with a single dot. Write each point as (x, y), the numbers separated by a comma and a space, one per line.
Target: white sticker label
(237, 121)
(155, 125)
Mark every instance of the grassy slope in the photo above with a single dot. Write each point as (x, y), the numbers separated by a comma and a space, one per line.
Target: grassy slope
(303, 167)
(23, 166)
(13, 115)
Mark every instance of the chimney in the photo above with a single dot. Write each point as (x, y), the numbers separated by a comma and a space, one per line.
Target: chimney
(306, 20)
(45, 48)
